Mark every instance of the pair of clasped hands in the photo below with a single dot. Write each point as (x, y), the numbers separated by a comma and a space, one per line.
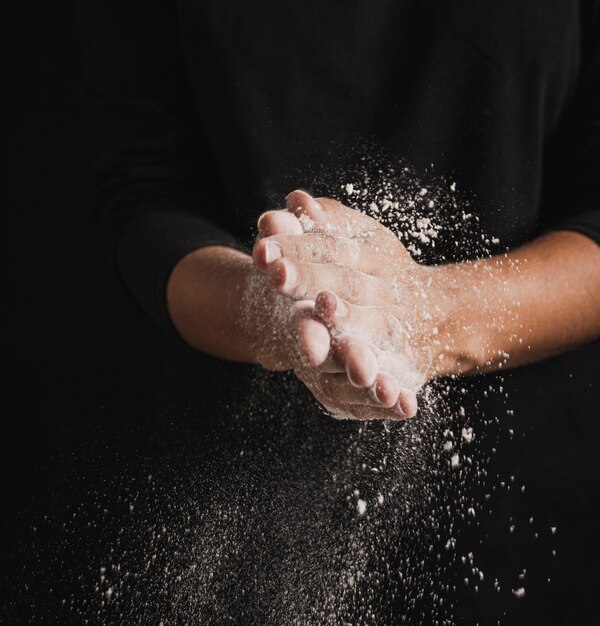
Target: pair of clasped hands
(348, 305)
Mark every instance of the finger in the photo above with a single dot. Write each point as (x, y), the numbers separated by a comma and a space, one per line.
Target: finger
(348, 318)
(360, 412)
(365, 256)
(304, 281)
(403, 409)
(313, 341)
(279, 223)
(406, 380)
(384, 329)
(401, 365)
(351, 357)
(266, 251)
(347, 402)
(300, 203)
(383, 393)
(392, 374)
(328, 215)
(357, 358)
(388, 338)
(407, 403)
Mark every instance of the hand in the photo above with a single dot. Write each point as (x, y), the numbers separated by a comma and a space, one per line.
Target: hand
(350, 378)
(221, 305)
(360, 379)
(512, 309)
(326, 251)
(478, 316)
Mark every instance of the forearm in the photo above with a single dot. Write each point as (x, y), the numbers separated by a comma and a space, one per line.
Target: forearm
(536, 301)
(205, 300)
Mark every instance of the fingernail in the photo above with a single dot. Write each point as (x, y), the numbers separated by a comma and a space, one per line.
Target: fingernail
(353, 382)
(287, 198)
(397, 409)
(283, 275)
(290, 277)
(407, 404)
(339, 308)
(272, 252)
(311, 203)
(261, 220)
(377, 393)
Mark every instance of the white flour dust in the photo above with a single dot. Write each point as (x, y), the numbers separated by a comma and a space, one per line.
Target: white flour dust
(294, 518)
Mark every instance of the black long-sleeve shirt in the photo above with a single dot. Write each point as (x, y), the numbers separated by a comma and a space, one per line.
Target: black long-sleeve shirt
(209, 112)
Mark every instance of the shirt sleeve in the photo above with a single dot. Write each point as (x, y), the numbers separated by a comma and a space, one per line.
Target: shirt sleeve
(582, 138)
(151, 155)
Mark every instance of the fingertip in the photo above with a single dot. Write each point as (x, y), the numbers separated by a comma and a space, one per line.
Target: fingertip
(313, 342)
(296, 196)
(386, 390)
(407, 403)
(301, 202)
(266, 252)
(279, 223)
(258, 254)
(261, 223)
(330, 306)
(276, 273)
(282, 274)
(361, 368)
(325, 304)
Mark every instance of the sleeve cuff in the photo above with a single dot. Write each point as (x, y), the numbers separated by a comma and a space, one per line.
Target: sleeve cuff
(587, 223)
(152, 244)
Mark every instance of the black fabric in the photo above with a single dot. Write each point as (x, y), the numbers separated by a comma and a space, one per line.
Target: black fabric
(208, 113)
(220, 111)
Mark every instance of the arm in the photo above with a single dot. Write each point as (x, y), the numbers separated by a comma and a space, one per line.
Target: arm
(219, 304)
(537, 301)
(205, 296)
(151, 153)
(162, 230)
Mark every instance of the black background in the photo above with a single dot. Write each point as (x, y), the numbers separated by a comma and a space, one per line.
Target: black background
(71, 314)
(81, 360)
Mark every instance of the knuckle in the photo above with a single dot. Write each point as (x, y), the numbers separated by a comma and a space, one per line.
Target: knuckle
(330, 248)
(288, 243)
(304, 286)
(296, 247)
(315, 249)
(355, 284)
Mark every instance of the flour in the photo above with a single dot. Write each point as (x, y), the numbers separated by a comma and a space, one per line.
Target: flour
(467, 434)
(289, 517)
(361, 507)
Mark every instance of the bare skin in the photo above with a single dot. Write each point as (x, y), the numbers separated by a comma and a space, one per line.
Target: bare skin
(361, 320)
(220, 305)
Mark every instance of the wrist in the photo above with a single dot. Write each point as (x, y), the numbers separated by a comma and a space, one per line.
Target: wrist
(205, 295)
(451, 335)
(476, 317)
